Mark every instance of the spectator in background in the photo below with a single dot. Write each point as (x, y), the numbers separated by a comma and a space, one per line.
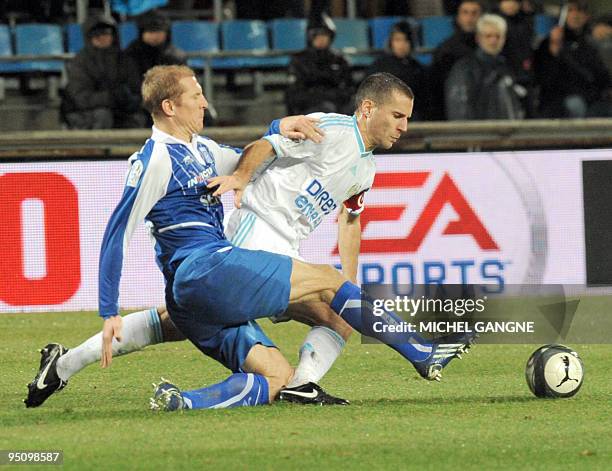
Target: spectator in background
(519, 39)
(481, 85)
(102, 89)
(153, 47)
(399, 62)
(601, 34)
(321, 77)
(459, 45)
(518, 49)
(574, 82)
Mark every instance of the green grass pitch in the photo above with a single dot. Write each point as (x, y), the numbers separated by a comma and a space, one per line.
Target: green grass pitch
(481, 416)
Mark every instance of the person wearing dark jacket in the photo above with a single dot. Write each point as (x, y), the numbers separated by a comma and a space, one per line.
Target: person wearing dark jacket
(574, 82)
(460, 44)
(321, 76)
(481, 85)
(102, 88)
(153, 47)
(518, 49)
(399, 62)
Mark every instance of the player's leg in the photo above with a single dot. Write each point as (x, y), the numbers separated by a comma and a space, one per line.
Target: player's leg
(259, 369)
(58, 364)
(329, 332)
(323, 343)
(323, 283)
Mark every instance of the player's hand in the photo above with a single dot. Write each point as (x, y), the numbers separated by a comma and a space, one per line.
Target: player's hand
(301, 127)
(227, 183)
(111, 329)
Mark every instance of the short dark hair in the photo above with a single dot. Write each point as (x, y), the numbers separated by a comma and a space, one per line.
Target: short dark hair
(379, 87)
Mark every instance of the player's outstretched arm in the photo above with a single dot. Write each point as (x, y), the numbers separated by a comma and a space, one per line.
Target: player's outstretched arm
(349, 242)
(253, 156)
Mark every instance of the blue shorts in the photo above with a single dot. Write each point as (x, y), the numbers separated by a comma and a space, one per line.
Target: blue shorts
(214, 297)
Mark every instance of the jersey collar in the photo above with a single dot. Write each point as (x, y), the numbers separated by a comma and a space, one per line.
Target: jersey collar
(163, 137)
(362, 151)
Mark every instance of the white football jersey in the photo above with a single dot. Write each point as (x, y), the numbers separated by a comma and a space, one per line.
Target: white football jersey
(307, 181)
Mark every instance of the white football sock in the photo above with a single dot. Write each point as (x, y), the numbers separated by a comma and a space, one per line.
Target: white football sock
(318, 353)
(139, 330)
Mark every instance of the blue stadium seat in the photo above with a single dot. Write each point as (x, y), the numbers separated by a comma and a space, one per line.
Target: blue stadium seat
(246, 35)
(424, 59)
(288, 34)
(39, 39)
(128, 31)
(380, 28)
(74, 37)
(543, 24)
(6, 50)
(196, 36)
(436, 29)
(353, 34)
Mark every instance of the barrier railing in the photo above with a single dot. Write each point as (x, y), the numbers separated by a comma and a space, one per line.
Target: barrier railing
(429, 136)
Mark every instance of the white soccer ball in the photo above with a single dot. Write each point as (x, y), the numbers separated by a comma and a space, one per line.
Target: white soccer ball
(554, 371)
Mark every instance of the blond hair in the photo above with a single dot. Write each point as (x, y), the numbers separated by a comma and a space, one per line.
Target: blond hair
(162, 83)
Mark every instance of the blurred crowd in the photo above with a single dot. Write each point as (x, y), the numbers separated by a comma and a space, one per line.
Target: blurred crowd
(492, 67)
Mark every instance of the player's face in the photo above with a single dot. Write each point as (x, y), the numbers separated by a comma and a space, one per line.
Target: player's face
(189, 108)
(491, 40)
(387, 122)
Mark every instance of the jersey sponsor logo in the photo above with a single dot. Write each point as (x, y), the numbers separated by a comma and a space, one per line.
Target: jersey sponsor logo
(135, 173)
(201, 177)
(315, 202)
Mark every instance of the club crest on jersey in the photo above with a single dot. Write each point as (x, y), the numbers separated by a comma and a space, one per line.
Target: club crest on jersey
(134, 175)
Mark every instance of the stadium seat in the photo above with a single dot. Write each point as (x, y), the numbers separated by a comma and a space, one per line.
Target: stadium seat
(436, 29)
(246, 35)
(6, 50)
(196, 36)
(353, 34)
(128, 31)
(380, 28)
(288, 34)
(32, 39)
(424, 59)
(543, 24)
(74, 37)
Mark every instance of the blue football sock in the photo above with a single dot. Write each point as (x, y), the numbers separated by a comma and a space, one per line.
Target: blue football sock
(240, 389)
(347, 303)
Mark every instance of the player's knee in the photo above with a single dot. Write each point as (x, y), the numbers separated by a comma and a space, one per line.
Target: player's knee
(170, 332)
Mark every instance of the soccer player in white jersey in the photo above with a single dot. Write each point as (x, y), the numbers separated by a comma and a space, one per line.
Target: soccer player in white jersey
(215, 291)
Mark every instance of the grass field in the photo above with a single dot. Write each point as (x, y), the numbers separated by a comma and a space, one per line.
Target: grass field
(482, 416)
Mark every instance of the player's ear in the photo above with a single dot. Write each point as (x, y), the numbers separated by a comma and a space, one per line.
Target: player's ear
(167, 107)
(367, 106)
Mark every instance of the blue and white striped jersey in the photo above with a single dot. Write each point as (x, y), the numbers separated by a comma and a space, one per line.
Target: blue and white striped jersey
(166, 186)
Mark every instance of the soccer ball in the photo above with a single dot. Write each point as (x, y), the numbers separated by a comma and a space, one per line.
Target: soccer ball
(554, 371)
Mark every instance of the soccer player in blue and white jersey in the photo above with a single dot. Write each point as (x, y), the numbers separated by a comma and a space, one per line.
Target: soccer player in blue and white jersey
(214, 290)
